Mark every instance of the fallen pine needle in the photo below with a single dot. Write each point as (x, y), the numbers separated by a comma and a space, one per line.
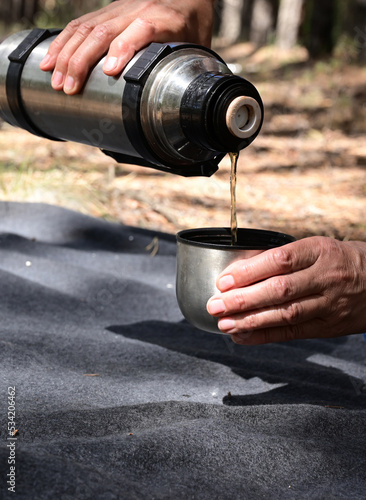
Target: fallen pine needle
(153, 246)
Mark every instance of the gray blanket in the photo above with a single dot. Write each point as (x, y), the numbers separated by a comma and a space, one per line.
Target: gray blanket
(118, 397)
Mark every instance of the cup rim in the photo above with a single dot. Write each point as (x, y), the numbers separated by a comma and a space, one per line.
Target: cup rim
(263, 238)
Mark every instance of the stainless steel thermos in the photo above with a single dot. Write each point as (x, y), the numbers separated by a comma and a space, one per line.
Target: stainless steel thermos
(176, 107)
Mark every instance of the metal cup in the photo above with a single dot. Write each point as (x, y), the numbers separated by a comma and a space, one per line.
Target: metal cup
(202, 254)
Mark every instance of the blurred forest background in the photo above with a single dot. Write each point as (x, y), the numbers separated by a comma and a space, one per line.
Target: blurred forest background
(321, 27)
(304, 174)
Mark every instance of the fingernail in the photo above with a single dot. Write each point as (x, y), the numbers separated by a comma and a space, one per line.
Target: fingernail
(226, 282)
(69, 84)
(226, 325)
(57, 79)
(216, 306)
(110, 63)
(45, 60)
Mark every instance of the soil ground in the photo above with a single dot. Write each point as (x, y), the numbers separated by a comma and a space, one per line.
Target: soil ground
(304, 174)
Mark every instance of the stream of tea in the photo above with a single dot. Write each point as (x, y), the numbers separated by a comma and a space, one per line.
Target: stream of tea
(234, 220)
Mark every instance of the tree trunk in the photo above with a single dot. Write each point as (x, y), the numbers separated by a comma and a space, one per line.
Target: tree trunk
(262, 22)
(30, 9)
(231, 16)
(288, 24)
(352, 20)
(319, 25)
(14, 11)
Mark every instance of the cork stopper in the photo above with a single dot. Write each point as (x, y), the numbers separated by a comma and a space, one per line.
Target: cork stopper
(243, 117)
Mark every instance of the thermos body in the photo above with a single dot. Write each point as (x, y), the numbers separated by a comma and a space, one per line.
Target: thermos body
(175, 107)
(94, 116)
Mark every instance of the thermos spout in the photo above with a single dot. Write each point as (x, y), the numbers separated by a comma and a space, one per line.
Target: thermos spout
(243, 117)
(176, 107)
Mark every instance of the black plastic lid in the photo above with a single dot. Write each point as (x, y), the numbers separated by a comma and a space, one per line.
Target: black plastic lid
(204, 107)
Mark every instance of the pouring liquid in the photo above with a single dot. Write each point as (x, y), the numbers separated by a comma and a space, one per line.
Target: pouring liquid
(234, 221)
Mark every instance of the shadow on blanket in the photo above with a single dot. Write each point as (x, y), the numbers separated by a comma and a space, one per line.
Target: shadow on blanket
(305, 368)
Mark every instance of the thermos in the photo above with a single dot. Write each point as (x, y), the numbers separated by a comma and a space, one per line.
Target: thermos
(176, 107)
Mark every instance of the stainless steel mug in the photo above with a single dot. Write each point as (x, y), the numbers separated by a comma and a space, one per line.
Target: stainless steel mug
(176, 107)
(202, 254)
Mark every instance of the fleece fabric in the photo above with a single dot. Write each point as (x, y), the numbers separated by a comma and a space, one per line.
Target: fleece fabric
(113, 395)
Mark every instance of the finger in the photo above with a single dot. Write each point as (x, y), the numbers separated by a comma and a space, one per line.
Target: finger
(290, 314)
(271, 292)
(137, 35)
(92, 49)
(85, 47)
(282, 260)
(310, 330)
(49, 61)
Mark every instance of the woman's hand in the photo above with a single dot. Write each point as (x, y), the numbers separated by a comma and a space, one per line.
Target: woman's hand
(120, 30)
(315, 287)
